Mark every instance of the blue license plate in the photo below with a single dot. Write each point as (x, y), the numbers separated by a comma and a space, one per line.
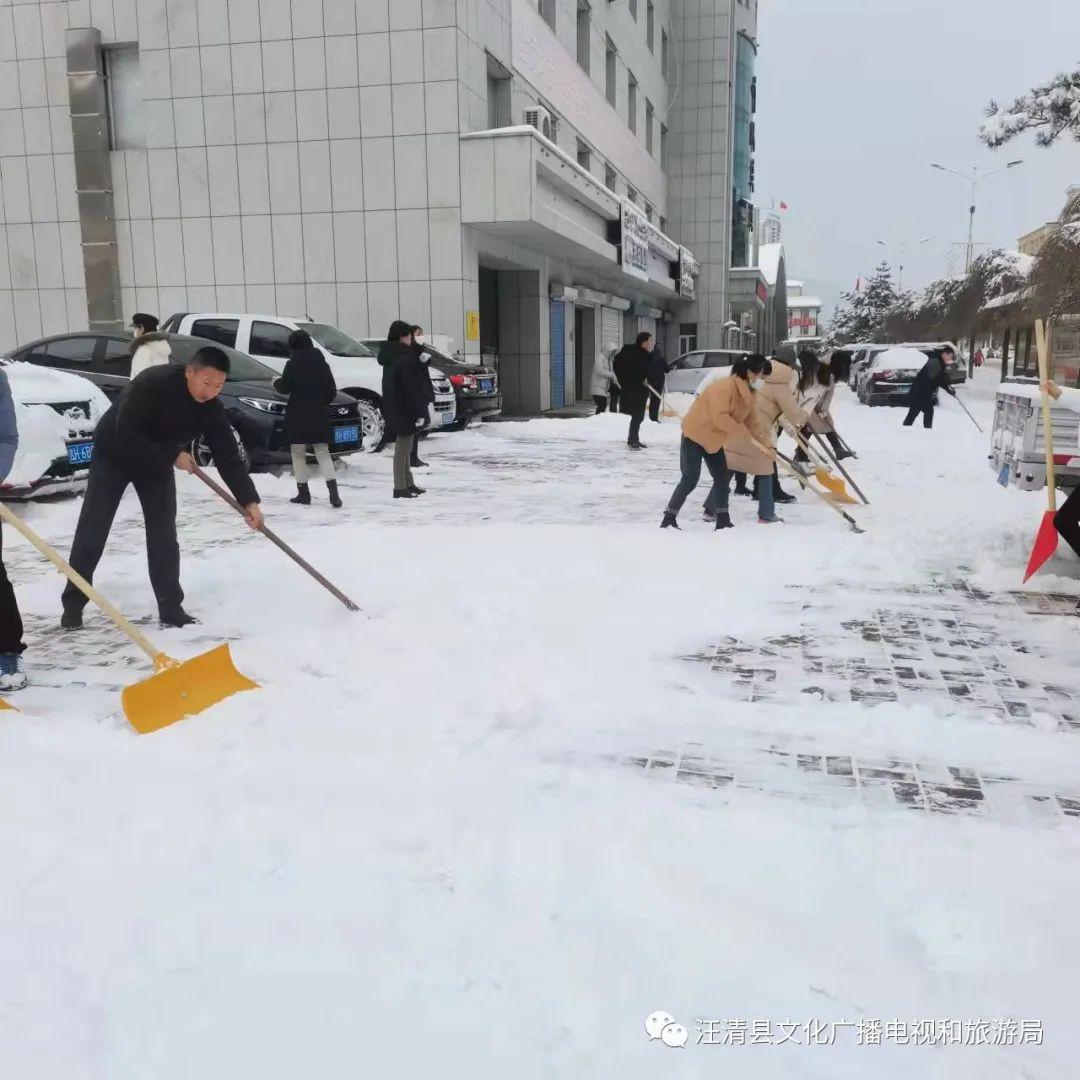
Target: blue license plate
(347, 434)
(485, 386)
(446, 418)
(1003, 476)
(80, 453)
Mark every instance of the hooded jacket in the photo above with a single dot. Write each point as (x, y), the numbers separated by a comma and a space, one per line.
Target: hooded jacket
(149, 351)
(309, 384)
(776, 399)
(722, 413)
(602, 373)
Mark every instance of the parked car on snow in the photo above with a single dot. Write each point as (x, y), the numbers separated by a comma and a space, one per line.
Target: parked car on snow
(56, 414)
(475, 386)
(958, 372)
(354, 367)
(887, 378)
(1018, 438)
(255, 409)
(688, 370)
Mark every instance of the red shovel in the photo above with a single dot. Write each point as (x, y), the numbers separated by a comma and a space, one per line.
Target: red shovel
(1047, 539)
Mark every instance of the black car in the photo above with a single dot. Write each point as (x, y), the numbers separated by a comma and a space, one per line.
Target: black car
(255, 409)
(476, 387)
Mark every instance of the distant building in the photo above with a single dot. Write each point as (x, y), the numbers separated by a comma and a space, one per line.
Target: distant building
(1031, 243)
(772, 228)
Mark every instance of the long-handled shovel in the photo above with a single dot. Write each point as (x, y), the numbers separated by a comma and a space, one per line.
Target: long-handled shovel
(275, 539)
(821, 472)
(178, 688)
(846, 475)
(969, 416)
(789, 466)
(1047, 538)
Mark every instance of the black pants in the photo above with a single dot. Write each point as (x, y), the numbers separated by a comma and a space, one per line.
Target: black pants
(926, 408)
(636, 418)
(157, 492)
(1066, 521)
(601, 404)
(654, 406)
(614, 394)
(11, 627)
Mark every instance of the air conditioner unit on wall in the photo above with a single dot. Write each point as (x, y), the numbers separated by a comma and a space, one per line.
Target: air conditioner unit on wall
(538, 117)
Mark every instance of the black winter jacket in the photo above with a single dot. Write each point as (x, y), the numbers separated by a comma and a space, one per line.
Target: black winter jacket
(405, 384)
(632, 369)
(156, 417)
(309, 383)
(933, 376)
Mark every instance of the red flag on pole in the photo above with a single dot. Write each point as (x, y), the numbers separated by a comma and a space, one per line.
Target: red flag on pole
(783, 205)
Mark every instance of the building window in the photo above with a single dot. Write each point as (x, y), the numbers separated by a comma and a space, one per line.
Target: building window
(123, 96)
(631, 195)
(663, 146)
(663, 53)
(631, 102)
(584, 29)
(547, 11)
(648, 213)
(633, 9)
(584, 155)
(663, 224)
(687, 337)
(612, 52)
(648, 125)
(650, 24)
(609, 178)
(498, 94)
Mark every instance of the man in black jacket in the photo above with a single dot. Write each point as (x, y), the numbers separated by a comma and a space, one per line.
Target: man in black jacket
(632, 370)
(405, 388)
(934, 376)
(139, 441)
(657, 377)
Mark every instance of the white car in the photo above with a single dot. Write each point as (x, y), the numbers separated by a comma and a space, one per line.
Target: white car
(56, 413)
(355, 368)
(690, 372)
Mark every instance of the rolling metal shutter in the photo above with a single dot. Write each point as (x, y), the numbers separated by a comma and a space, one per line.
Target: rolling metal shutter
(558, 354)
(611, 323)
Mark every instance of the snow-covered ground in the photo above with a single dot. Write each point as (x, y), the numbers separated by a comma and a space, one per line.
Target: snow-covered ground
(525, 801)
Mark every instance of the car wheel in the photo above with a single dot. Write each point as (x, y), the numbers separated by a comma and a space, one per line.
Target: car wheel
(200, 451)
(372, 421)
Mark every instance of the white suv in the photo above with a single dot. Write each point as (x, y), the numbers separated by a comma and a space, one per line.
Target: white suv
(355, 369)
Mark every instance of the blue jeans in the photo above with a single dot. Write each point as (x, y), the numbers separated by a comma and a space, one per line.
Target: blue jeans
(766, 506)
(691, 455)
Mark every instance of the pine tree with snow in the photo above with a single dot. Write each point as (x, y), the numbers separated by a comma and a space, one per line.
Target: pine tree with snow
(1050, 110)
(860, 316)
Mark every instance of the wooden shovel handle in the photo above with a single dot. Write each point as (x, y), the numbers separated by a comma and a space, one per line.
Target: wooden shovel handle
(277, 541)
(84, 586)
(1048, 423)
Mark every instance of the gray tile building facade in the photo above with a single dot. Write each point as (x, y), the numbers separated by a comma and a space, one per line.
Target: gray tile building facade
(363, 159)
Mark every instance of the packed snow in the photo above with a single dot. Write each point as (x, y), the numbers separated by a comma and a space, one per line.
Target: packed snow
(416, 850)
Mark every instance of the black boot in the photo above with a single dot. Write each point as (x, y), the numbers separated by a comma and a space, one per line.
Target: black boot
(783, 497)
(839, 449)
(416, 463)
(670, 521)
(335, 498)
(175, 616)
(71, 619)
(723, 520)
(303, 495)
(414, 490)
(403, 493)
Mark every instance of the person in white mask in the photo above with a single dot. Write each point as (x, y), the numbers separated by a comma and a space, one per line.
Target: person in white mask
(603, 376)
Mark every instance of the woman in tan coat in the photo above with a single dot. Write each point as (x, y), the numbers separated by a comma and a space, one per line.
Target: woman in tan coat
(775, 399)
(721, 414)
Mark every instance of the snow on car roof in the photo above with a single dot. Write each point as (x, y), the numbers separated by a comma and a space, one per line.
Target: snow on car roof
(900, 358)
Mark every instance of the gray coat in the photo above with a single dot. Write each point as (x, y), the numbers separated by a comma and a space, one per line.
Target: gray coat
(9, 429)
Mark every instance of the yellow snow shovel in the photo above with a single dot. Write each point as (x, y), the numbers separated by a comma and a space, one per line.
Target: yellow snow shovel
(833, 484)
(178, 688)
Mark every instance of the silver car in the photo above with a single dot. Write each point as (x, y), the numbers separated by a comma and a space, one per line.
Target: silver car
(688, 371)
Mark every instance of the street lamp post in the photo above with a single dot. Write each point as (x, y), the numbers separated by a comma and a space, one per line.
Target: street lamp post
(900, 279)
(973, 179)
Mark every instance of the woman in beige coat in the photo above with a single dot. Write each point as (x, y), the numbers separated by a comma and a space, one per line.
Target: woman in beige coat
(721, 414)
(775, 399)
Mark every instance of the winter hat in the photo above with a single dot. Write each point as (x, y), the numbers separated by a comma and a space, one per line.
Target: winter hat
(398, 330)
(299, 339)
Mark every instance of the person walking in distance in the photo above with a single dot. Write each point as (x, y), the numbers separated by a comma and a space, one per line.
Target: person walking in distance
(721, 413)
(934, 376)
(143, 437)
(405, 401)
(602, 379)
(12, 646)
(309, 385)
(631, 368)
(424, 357)
(657, 378)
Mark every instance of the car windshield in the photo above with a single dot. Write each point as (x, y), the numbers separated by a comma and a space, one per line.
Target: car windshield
(242, 368)
(334, 340)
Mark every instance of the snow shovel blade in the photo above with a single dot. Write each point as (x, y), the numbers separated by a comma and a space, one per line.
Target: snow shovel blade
(1045, 545)
(4, 706)
(835, 485)
(178, 689)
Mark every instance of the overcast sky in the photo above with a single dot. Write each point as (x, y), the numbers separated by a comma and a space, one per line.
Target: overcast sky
(857, 97)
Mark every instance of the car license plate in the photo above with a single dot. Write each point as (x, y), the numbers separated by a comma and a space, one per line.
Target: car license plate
(1003, 476)
(485, 386)
(447, 418)
(80, 453)
(347, 434)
